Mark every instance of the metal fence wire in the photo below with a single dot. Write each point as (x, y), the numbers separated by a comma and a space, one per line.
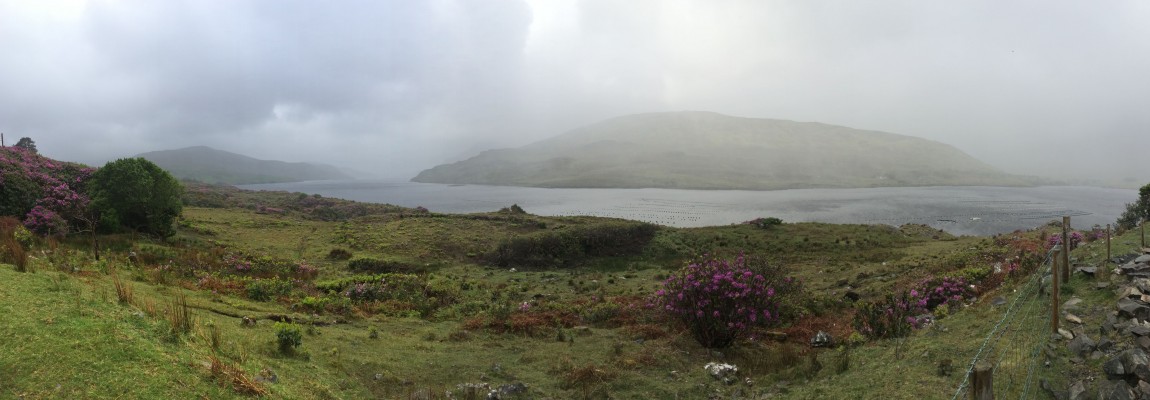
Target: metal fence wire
(1014, 345)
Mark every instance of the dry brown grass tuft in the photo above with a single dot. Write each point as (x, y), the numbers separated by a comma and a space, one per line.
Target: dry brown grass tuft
(228, 374)
(123, 290)
(179, 316)
(586, 376)
(10, 249)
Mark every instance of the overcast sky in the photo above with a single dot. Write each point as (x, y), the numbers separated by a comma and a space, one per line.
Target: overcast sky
(394, 87)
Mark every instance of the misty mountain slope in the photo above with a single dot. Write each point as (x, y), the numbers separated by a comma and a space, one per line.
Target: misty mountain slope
(703, 150)
(209, 165)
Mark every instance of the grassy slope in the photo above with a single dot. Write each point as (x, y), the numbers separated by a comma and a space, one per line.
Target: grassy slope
(67, 330)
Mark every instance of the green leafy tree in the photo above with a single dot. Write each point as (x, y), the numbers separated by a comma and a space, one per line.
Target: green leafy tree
(136, 194)
(18, 194)
(27, 144)
(1136, 211)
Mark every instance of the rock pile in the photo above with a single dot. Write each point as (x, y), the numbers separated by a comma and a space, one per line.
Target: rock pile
(1137, 268)
(1128, 371)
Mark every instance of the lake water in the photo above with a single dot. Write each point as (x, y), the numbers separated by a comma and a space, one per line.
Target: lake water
(959, 210)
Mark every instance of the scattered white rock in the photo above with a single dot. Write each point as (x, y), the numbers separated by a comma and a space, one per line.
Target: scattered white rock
(1073, 318)
(722, 371)
(1065, 333)
(1071, 303)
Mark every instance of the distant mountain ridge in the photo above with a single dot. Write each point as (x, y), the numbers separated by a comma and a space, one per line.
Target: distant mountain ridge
(210, 165)
(705, 150)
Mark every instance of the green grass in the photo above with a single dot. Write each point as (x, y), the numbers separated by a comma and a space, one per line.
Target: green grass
(64, 339)
(67, 328)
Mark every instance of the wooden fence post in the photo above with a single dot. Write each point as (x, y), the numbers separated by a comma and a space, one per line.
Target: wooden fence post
(1066, 249)
(1104, 269)
(1143, 226)
(982, 382)
(1054, 289)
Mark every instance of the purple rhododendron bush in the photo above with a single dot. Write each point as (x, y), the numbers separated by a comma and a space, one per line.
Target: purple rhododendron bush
(46, 195)
(721, 300)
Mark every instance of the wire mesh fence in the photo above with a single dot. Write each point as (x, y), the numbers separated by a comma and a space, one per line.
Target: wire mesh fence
(1013, 346)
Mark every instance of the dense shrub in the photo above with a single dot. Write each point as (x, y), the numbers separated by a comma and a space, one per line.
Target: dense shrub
(367, 264)
(288, 337)
(268, 289)
(265, 266)
(892, 318)
(47, 195)
(328, 303)
(765, 223)
(934, 292)
(1056, 239)
(720, 300)
(572, 244)
(1137, 211)
(134, 193)
(408, 291)
(899, 314)
(339, 254)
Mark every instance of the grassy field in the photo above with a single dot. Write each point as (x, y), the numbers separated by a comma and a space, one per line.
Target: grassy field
(466, 312)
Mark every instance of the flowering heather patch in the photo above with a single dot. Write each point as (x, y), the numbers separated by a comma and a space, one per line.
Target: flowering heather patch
(1097, 233)
(1056, 239)
(719, 300)
(238, 264)
(898, 314)
(45, 192)
(45, 222)
(892, 318)
(306, 271)
(935, 292)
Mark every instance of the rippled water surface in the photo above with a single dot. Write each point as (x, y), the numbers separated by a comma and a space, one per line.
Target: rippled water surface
(959, 210)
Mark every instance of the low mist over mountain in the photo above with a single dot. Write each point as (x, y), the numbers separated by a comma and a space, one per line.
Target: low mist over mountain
(703, 150)
(209, 165)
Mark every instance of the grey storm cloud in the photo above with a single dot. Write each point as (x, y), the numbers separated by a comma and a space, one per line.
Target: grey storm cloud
(393, 87)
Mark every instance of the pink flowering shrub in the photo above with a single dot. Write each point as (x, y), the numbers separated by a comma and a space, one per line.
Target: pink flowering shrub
(892, 318)
(1097, 233)
(899, 314)
(46, 193)
(1056, 239)
(934, 292)
(721, 300)
(45, 222)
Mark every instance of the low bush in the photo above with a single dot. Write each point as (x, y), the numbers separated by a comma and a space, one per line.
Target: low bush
(721, 300)
(1056, 239)
(765, 223)
(268, 289)
(339, 254)
(330, 304)
(367, 264)
(573, 244)
(288, 337)
(934, 292)
(400, 291)
(892, 318)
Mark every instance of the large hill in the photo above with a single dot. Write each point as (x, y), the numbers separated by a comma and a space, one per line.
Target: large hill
(703, 150)
(209, 165)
